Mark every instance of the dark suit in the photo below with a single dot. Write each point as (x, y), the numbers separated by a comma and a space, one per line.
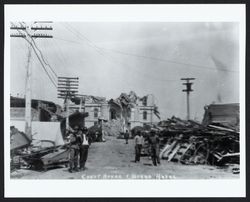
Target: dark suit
(84, 148)
(154, 142)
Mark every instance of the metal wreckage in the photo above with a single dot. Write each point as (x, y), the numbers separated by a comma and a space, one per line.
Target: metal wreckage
(215, 141)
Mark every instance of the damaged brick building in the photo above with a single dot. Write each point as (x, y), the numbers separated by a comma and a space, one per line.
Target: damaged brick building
(130, 109)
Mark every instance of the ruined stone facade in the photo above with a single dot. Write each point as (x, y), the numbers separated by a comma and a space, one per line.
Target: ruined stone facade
(141, 113)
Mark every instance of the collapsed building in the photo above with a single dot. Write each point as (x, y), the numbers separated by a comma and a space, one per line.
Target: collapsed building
(134, 110)
(214, 142)
(126, 111)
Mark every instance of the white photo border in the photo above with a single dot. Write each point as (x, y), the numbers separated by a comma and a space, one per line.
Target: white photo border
(125, 13)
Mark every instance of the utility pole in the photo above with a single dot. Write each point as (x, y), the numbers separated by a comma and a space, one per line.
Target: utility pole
(67, 89)
(28, 33)
(28, 92)
(188, 89)
(84, 100)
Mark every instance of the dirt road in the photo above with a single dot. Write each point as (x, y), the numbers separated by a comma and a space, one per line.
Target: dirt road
(114, 159)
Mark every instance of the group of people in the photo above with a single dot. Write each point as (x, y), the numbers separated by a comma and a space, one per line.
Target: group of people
(78, 142)
(154, 146)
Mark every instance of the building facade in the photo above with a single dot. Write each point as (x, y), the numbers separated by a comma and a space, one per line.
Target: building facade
(143, 112)
(96, 111)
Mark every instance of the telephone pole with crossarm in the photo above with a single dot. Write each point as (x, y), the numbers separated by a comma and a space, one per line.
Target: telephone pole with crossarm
(188, 89)
(28, 32)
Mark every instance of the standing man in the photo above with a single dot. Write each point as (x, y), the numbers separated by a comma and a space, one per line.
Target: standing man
(138, 146)
(73, 150)
(154, 143)
(84, 147)
(126, 136)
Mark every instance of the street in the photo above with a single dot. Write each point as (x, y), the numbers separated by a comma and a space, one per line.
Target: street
(114, 159)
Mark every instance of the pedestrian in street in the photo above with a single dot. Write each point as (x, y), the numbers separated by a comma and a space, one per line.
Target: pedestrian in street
(138, 146)
(73, 150)
(126, 136)
(84, 147)
(154, 143)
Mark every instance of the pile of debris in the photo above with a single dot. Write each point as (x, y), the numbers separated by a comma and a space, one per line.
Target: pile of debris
(190, 142)
(24, 154)
(113, 127)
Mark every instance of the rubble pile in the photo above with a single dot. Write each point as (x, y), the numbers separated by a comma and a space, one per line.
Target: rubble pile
(18, 142)
(113, 127)
(25, 154)
(189, 142)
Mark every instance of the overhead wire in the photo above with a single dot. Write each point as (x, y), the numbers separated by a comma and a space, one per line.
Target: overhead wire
(100, 51)
(147, 57)
(44, 59)
(39, 59)
(41, 54)
(54, 83)
(170, 61)
(45, 45)
(82, 37)
(89, 43)
(60, 51)
(61, 60)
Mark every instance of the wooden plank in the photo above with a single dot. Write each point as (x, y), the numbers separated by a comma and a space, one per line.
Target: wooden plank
(173, 152)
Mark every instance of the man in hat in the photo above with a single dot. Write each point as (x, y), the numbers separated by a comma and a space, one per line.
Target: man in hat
(73, 150)
(154, 142)
(138, 145)
(84, 147)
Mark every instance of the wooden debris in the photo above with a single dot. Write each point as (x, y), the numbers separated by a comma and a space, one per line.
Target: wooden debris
(190, 142)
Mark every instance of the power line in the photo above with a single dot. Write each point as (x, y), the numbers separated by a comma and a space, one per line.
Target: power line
(28, 89)
(44, 59)
(110, 58)
(75, 42)
(40, 60)
(93, 45)
(169, 61)
(60, 52)
(54, 83)
(143, 56)
(89, 42)
(43, 65)
(85, 38)
(46, 63)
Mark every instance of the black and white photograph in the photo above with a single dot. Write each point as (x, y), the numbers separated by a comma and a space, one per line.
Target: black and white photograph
(100, 100)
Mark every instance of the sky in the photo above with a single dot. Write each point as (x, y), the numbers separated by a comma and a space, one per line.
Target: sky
(146, 57)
